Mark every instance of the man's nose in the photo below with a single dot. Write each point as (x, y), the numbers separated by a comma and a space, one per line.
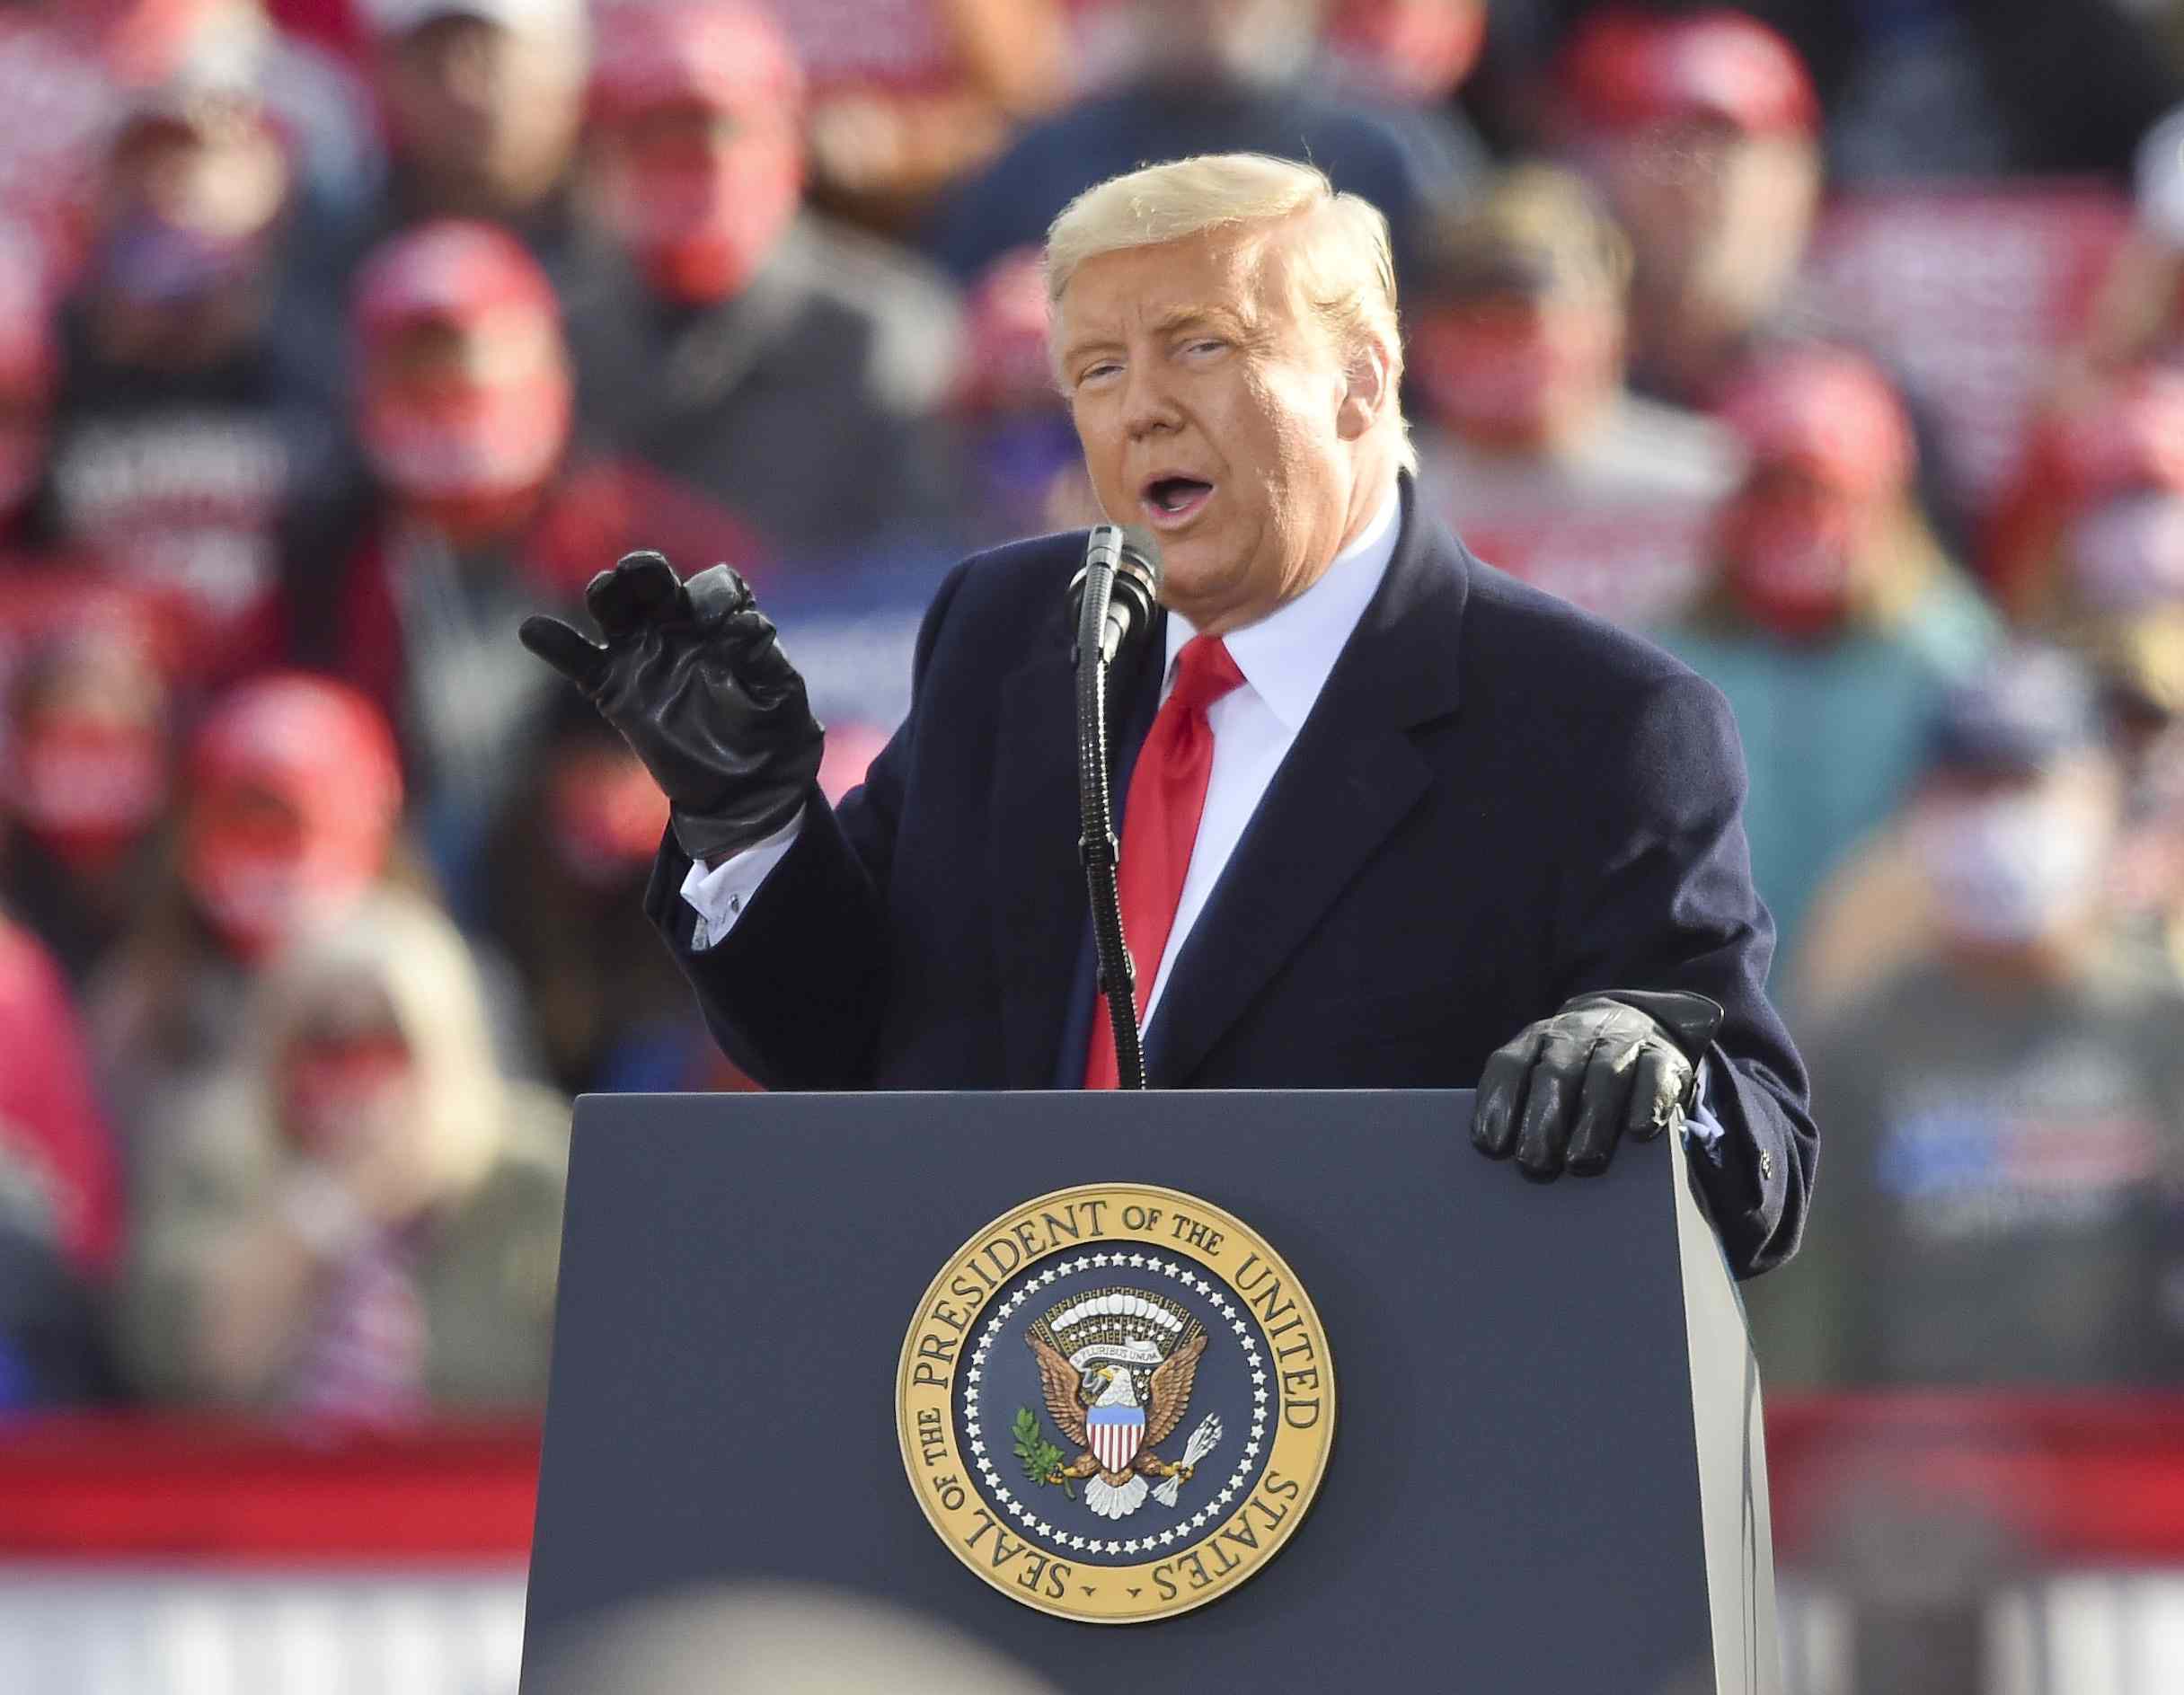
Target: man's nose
(1148, 403)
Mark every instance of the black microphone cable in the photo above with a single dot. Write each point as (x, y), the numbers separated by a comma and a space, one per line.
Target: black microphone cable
(1113, 598)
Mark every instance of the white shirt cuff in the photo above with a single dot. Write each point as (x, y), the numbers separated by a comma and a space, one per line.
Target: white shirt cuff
(720, 895)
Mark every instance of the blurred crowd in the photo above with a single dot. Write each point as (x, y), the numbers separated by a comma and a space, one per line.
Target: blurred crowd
(1841, 348)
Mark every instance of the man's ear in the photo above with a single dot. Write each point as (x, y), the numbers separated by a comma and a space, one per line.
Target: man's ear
(1368, 390)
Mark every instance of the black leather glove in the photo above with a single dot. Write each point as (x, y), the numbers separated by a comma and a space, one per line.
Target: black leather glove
(694, 679)
(1622, 1062)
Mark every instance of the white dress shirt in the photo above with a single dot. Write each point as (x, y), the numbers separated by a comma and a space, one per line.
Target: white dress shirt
(1285, 657)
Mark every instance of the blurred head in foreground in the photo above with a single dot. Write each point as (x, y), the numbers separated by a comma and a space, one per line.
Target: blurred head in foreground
(1702, 131)
(777, 1640)
(697, 148)
(1517, 339)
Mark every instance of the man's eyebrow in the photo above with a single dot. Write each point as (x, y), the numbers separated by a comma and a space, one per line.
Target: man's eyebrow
(1074, 350)
(1193, 317)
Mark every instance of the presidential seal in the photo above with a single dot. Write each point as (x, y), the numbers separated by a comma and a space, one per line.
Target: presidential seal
(1115, 1403)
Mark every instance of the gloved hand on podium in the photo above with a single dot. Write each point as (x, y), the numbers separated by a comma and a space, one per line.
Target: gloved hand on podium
(1566, 1089)
(692, 676)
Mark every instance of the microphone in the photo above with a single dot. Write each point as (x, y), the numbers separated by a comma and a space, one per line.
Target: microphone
(1123, 568)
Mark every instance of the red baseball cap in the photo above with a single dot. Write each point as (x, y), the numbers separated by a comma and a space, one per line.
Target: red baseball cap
(725, 57)
(1625, 69)
(451, 270)
(1829, 411)
(308, 737)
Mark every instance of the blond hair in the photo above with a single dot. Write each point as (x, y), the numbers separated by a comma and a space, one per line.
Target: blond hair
(1342, 265)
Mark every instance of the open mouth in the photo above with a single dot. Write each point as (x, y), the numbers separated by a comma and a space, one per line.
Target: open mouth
(1171, 500)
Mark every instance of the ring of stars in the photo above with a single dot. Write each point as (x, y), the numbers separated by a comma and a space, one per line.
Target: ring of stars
(1025, 1515)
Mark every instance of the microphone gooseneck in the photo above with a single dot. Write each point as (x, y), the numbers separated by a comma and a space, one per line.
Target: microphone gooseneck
(1111, 601)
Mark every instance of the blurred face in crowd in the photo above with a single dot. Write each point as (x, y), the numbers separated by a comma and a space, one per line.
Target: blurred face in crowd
(1250, 42)
(190, 200)
(700, 195)
(1519, 371)
(87, 766)
(1719, 219)
(348, 1080)
(1217, 412)
(260, 867)
(1411, 52)
(467, 418)
(487, 116)
(2018, 859)
(1794, 546)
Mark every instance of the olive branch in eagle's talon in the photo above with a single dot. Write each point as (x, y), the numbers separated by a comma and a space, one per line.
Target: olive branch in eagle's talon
(1041, 1460)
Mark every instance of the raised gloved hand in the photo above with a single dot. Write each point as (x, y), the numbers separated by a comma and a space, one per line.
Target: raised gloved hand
(695, 680)
(1563, 1091)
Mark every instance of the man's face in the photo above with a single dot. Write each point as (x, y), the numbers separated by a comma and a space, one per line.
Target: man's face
(701, 194)
(487, 116)
(1520, 371)
(1244, 40)
(1214, 414)
(1716, 216)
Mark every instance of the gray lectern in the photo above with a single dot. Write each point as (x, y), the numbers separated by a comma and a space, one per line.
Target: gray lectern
(1547, 1474)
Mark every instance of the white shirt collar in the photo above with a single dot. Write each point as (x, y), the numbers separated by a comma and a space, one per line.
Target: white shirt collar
(1285, 657)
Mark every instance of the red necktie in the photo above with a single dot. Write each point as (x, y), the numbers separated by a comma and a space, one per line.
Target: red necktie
(1160, 826)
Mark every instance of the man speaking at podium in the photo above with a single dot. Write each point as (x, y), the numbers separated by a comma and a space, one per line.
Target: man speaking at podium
(1391, 818)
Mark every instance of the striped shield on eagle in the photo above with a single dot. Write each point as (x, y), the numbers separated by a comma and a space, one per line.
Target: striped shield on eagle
(1117, 1367)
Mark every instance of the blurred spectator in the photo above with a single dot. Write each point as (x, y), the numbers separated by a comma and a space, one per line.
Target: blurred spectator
(2093, 525)
(732, 341)
(360, 1220)
(51, 1122)
(1834, 625)
(1024, 470)
(907, 96)
(774, 1639)
(2139, 317)
(572, 850)
(1211, 77)
(1402, 52)
(290, 794)
(1702, 132)
(187, 425)
(1529, 443)
(483, 99)
(476, 508)
(2006, 1111)
(86, 755)
(60, 1201)
(29, 361)
(71, 70)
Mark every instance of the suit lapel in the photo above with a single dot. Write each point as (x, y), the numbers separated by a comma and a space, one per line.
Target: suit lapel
(1348, 781)
(1039, 886)
(1040, 904)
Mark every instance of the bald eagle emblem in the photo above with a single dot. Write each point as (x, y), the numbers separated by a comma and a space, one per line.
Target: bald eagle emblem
(1116, 1367)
